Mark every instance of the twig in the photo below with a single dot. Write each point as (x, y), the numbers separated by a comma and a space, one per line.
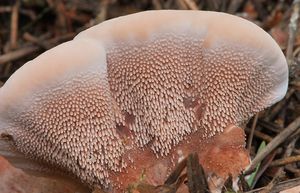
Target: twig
(274, 17)
(234, 5)
(280, 186)
(157, 4)
(287, 158)
(296, 151)
(275, 142)
(168, 4)
(36, 20)
(252, 132)
(293, 25)
(291, 147)
(285, 161)
(38, 41)
(294, 135)
(181, 4)
(102, 15)
(191, 4)
(26, 12)
(11, 56)
(269, 125)
(7, 69)
(61, 20)
(196, 177)
(270, 186)
(279, 106)
(4, 9)
(263, 167)
(260, 9)
(176, 173)
(292, 169)
(213, 5)
(260, 135)
(280, 172)
(14, 25)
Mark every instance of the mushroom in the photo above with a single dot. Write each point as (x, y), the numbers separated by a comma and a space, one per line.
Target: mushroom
(132, 96)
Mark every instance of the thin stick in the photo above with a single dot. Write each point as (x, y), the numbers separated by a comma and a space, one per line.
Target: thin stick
(291, 146)
(285, 161)
(26, 12)
(252, 132)
(37, 41)
(157, 4)
(260, 135)
(270, 126)
(4, 9)
(295, 135)
(234, 5)
(191, 4)
(11, 56)
(292, 169)
(296, 151)
(181, 4)
(293, 25)
(280, 105)
(14, 25)
(294, 126)
(287, 158)
(280, 186)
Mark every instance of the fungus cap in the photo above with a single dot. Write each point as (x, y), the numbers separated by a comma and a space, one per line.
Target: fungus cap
(147, 83)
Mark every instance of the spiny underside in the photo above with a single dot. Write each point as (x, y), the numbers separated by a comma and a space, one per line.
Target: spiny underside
(172, 86)
(157, 92)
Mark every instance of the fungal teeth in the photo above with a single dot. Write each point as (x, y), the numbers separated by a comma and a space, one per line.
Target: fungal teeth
(78, 92)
